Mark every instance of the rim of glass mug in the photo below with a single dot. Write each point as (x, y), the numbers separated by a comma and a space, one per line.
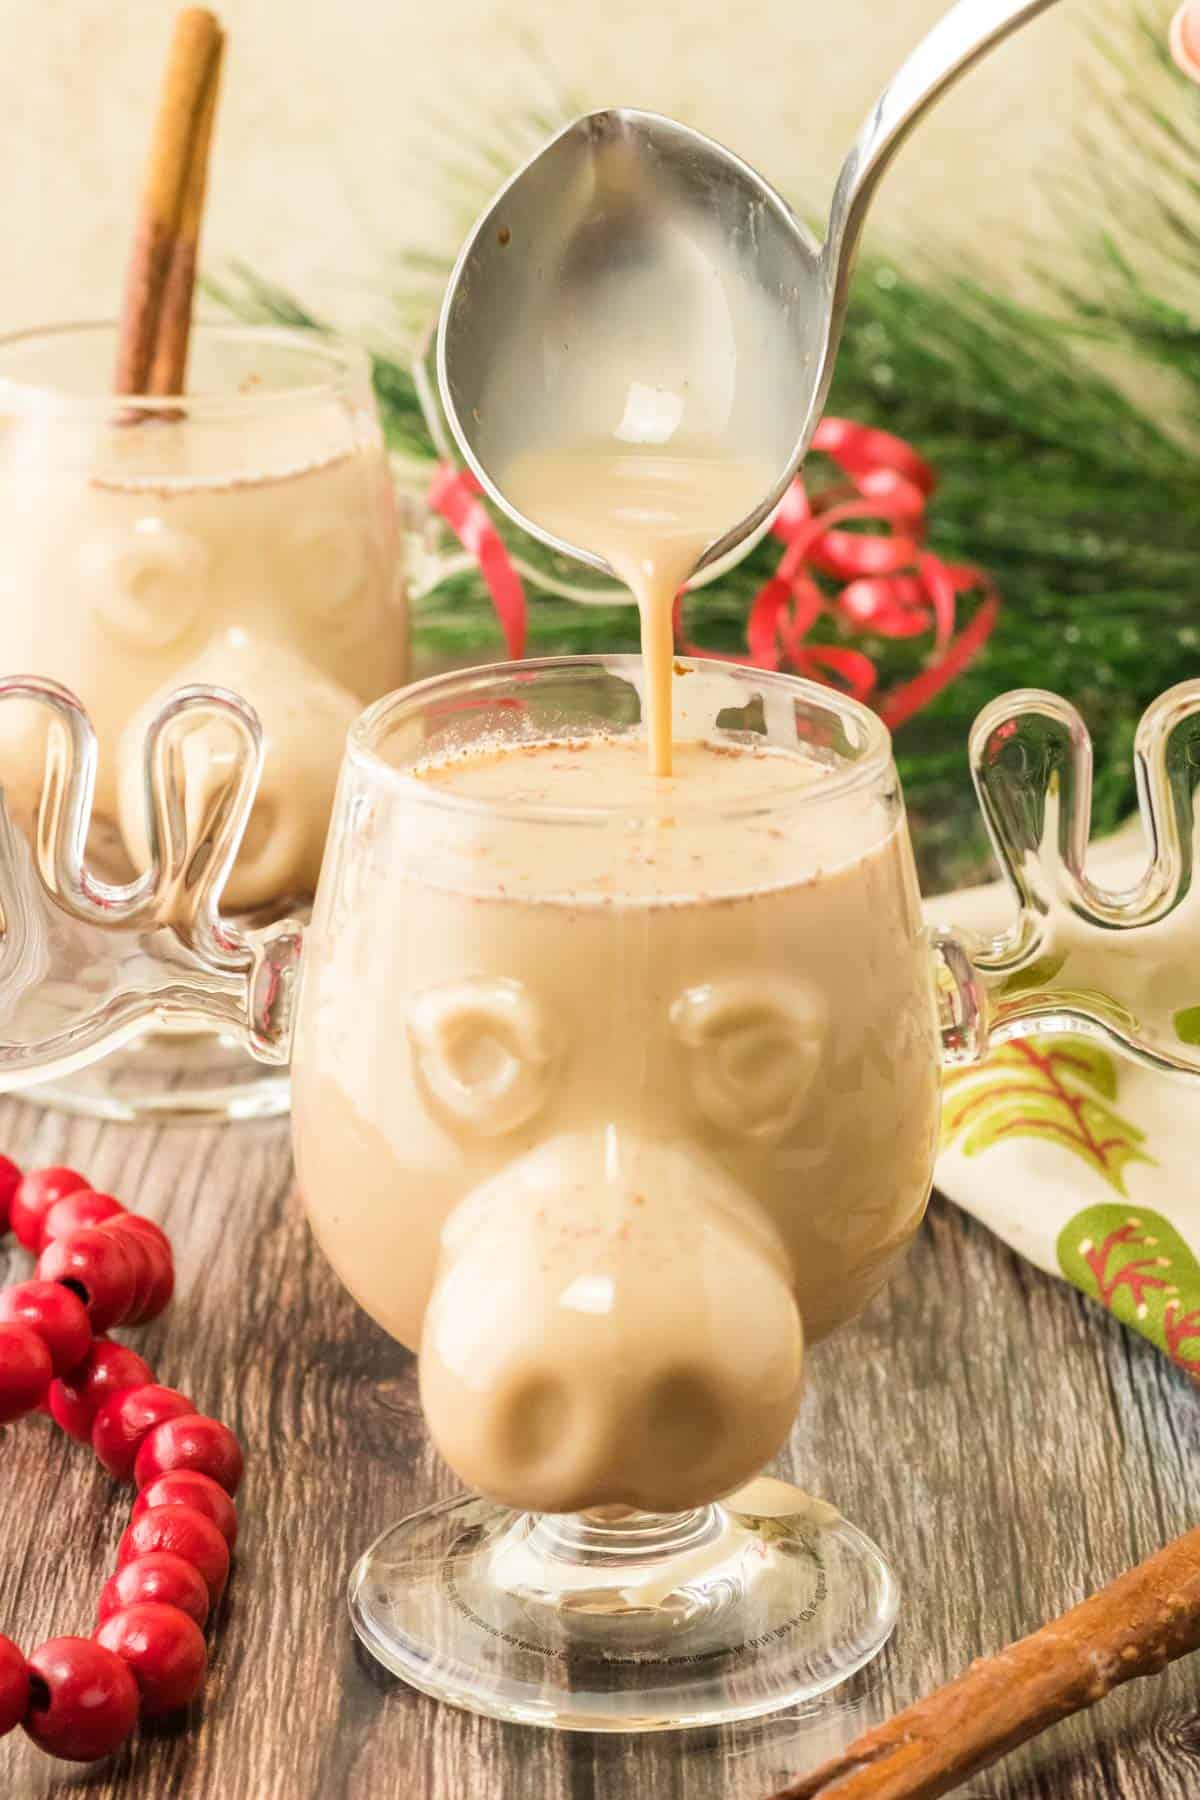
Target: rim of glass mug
(867, 742)
(344, 369)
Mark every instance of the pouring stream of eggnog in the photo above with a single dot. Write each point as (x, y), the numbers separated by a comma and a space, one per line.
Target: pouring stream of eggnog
(651, 512)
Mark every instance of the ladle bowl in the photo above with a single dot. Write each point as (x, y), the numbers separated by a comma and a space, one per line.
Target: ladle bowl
(637, 286)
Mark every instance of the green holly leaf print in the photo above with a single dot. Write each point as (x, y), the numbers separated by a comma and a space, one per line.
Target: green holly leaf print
(1137, 1265)
(1055, 1088)
(1187, 1025)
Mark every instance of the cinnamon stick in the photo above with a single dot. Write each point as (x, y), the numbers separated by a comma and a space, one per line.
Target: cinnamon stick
(188, 93)
(1136, 1626)
(168, 371)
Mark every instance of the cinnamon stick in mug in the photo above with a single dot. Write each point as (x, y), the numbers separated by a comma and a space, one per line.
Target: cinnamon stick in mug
(168, 372)
(171, 198)
(1136, 1626)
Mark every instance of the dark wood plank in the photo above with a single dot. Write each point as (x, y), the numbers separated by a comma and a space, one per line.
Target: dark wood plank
(1011, 1447)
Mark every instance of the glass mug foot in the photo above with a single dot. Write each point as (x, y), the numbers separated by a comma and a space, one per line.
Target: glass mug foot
(618, 1621)
(188, 1077)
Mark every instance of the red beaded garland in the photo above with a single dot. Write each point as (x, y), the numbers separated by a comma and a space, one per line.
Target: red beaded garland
(10, 1181)
(79, 1698)
(108, 1369)
(144, 1263)
(32, 1199)
(83, 1701)
(153, 1263)
(25, 1371)
(96, 1264)
(146, 1228)
(188, 1487)
(127, 1418)
(190, 1442)
(14, 1685)
(76, 1210)
(184, 1532)
(56, 1314)
(163, 1650)
(159, 1575)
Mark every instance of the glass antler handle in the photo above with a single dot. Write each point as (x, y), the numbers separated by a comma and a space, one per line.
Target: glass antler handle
(1120, 964)
(86, 963)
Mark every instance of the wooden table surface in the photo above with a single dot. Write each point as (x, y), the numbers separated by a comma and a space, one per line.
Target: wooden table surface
(1009, 1445)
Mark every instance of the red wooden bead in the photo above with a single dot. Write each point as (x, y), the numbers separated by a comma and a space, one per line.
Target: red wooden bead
(164, 1651)
(14, 1686)
(184, 1533)
(188, 1487)
(125, 1419)
(159, 1575)
(56, 1314)
(196, 1442)
(143, 1261)
(35, 1195)
(146, 1228)
(83, 1700)
(153, 1261)
(25, 1371)
(108, 1369)
(97, 1265)
(10, 1181)
(76, 1210)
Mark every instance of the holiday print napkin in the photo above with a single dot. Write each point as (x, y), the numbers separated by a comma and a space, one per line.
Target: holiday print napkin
(1082, 1161)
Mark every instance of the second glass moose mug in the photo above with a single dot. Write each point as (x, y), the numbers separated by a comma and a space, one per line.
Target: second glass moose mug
(718, 1111)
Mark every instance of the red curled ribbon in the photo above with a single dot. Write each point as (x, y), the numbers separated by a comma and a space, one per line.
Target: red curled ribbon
(454, 496)
(889, 584)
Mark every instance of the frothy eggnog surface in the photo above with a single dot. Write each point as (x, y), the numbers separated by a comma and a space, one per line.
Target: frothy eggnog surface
(678, 843)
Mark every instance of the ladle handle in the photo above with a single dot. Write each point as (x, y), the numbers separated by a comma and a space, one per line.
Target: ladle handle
(958, 40)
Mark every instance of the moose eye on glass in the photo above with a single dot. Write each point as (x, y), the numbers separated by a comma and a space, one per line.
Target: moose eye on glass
(751, 1056)
(147, 581)
(484, 1053)
(331, 567)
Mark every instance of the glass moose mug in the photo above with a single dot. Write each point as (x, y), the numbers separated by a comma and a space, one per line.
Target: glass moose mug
(248, 539)
(608, 1151)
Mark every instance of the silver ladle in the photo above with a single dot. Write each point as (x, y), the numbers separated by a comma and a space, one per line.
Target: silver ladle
(634, 281)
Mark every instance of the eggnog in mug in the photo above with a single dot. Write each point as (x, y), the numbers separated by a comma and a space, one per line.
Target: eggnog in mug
(611, 1092)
